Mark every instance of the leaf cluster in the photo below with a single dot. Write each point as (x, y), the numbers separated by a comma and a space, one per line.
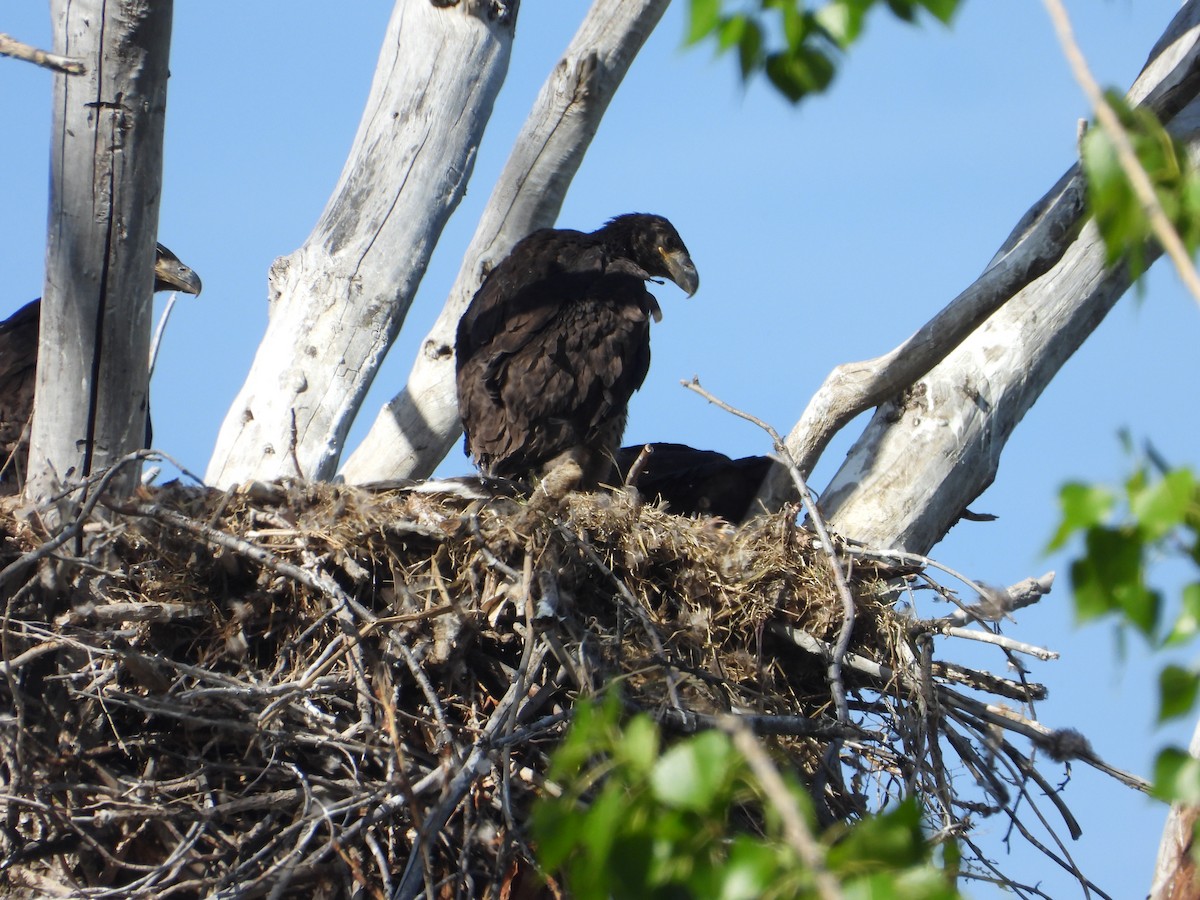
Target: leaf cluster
(795, 45)
(635, 818)
(1119, 214)
(1154, 516)
(1156, 513)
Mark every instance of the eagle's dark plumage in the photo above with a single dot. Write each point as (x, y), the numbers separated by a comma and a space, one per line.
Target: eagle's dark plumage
(556, 341)
(18, 362)
(697, 482)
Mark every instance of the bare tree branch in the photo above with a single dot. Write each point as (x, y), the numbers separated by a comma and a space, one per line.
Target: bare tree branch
(10, 46)
(932, 447)
(338, 302)
(1138, 179)
(852, 388)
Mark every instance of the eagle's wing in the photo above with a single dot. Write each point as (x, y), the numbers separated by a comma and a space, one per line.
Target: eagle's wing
(524, 291)
(18, 365)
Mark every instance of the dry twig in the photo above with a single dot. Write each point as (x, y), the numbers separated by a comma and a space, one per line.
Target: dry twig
(10, 46)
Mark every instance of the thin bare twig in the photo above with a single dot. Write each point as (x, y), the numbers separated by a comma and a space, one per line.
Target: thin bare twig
(639, 465)
(156, 341)
(10, 46)
(836, 686)
(1167, 236)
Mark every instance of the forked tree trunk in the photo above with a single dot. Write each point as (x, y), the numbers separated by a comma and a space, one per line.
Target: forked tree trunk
(337, 303)
(933, 444)
(415, 430)
(105, 178)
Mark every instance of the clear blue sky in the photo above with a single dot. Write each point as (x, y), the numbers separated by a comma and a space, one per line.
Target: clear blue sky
(822, 234)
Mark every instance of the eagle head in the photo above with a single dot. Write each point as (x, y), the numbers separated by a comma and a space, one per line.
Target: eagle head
(653, 243)
(170, 274)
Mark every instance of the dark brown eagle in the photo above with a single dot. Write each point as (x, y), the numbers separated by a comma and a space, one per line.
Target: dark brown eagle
(556, 341)
(18, 364)
(695, 482)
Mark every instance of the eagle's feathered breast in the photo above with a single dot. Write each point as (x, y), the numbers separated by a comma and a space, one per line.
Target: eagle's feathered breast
(550, 350)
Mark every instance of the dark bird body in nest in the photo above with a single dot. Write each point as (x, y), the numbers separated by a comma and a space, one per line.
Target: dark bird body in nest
(18, 364)
(556, 341)
(696, 482)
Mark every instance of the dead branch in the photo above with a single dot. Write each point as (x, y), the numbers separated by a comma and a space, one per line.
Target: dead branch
(10, 46)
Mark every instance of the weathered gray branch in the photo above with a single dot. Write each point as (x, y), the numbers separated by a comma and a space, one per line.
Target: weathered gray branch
(934, 443)
(105, 180)
(338, 302)
(855, 387)
(927, 454)
(414, 431)
(10, 46)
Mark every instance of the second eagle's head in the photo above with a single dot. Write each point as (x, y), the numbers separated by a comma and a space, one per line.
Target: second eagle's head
(170, 274)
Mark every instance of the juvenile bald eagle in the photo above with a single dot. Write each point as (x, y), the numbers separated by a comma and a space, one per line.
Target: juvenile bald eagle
(697, 482)
(556, 341)
(18, 363)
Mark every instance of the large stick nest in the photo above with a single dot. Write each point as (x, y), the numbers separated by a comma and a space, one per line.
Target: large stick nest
(310, 690)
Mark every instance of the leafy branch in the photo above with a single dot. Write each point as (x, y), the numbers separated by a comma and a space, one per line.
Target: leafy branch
(1155, 515)
(711, 816)
(797, 47)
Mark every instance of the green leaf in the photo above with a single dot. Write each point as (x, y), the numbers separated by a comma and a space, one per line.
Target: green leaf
(1141, 607)
(632, 864)
(638, 746)
(925, 883)
(798, 26)
(749, 871)
(750, 44)
(1190, 199)
(729, 33)
(603, 821)
(796, 74)
(1177, 777)
(1161, 506)
(1177, 688)
(841, 21)
(694, 774)
(891, 839)
(1109, 577)
(1188, 621)
(1118, 213)
(557, 826)
(943, 10)
(703, 18)
(1082, 506)
(1115, 207)
(590, 731)
(903, 9)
